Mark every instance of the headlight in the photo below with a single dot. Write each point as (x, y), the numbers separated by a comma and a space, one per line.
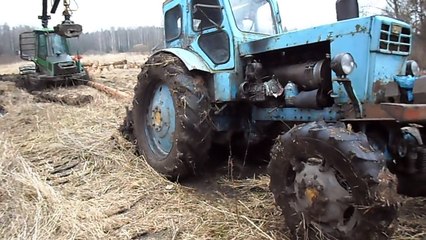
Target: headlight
(413, 68)
(343, 64)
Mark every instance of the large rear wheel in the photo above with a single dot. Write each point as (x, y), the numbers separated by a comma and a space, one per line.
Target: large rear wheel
(170, 117)
(331, 184)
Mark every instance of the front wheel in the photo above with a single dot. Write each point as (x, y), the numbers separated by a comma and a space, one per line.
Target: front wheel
(331, 184)
(170, 117)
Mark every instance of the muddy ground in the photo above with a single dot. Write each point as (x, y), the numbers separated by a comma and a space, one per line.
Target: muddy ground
(67, 173)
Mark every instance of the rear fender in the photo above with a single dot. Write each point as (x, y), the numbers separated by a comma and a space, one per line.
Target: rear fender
(191, 60)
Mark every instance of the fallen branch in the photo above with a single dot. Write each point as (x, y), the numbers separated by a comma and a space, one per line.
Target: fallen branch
(108, 90)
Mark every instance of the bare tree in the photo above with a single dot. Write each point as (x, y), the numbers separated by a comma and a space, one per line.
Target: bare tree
(414, 12)
(105, 41)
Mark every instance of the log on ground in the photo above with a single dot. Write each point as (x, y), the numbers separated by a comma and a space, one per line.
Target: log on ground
(108, 90)
(68, 99)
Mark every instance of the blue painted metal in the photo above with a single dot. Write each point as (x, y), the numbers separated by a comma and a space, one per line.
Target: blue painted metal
(295, 114)
(362, 38)
(191, 59)
(160, 121)
(395, 37)
(290, 92)
(379, 45)
(187, 49)
(189, 37)
(226, 86)
(407, 82)
(169, 5)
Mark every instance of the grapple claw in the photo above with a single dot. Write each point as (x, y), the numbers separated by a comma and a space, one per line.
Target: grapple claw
(68, 30)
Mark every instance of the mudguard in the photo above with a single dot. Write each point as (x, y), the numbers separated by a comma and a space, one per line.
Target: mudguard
(191, 60)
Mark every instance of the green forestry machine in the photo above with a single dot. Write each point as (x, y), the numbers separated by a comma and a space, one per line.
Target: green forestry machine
(343, 103)
(49, 50)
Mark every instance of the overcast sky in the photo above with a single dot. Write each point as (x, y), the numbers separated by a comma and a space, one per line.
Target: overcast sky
(102, 14)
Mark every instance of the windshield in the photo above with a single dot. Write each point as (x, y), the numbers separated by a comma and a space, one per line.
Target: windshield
(59, 44)
(253, 16)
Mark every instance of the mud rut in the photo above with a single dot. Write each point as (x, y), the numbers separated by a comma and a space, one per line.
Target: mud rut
(64, 172)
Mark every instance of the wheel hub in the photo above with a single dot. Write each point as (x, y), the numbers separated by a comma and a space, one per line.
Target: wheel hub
(324, 199)
(160, 122)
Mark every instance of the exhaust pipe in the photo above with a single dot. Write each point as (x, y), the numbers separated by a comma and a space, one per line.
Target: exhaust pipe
(347, 9)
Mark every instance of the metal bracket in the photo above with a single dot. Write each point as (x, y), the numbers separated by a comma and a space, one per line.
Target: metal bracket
(352, 96)
(414, 132)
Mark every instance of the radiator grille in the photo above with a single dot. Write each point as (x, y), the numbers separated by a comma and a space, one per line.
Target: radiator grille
(62, 69)
(395, 39)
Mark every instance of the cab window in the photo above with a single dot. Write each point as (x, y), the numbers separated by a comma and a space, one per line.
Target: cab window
(173, 23)
(42, 46)
(206, 14)
(254, 16)
(59, 44)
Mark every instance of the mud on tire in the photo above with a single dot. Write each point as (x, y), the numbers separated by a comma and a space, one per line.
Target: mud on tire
(191, 138)
(357, 167)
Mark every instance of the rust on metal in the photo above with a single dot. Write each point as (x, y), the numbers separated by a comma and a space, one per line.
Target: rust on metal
(419, 91)
(390, 112)
(311, 194)
(405, 112)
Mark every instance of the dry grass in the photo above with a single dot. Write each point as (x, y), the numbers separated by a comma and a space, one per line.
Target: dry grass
(110, 193)
(66, 173)
(114, 57)
(13, 68)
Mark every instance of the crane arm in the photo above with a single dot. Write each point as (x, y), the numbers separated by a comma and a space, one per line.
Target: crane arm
(67, 28)
(55, 6)
(44, 17)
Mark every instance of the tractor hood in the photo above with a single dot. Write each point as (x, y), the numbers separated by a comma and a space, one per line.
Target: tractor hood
(379, 46)
(329, 32)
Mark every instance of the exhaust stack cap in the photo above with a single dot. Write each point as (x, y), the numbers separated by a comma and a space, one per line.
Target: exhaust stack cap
(347, 9)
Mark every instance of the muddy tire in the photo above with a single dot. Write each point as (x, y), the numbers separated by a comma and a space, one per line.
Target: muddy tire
(35, 82)
(170, 117)
(330, 184)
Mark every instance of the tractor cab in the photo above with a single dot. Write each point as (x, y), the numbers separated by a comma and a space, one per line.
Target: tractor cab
(49, 51)
(213, 28)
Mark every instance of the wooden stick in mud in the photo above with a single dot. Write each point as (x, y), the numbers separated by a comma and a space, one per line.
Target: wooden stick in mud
(68, 99)
(108, 90)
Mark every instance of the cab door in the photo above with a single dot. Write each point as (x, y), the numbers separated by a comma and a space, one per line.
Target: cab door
(42, 46)
(211, 33)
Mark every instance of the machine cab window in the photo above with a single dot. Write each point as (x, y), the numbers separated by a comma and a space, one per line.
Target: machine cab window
(59, 44)
(173, 23)
(206, 14)
(42, 46)
(213, 40)
(254, 16)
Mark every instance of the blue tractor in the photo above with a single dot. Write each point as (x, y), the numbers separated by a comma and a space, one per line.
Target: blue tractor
(340, 108)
